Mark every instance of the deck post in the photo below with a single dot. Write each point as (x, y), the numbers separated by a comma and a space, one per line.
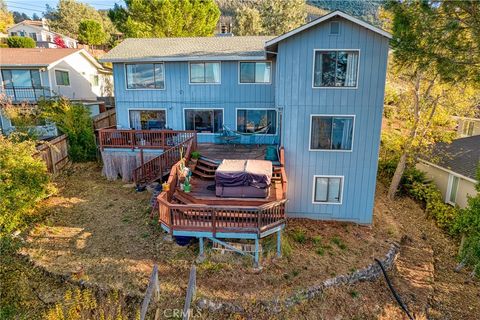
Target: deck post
(256, 264)
(201, 254)
(279, 243)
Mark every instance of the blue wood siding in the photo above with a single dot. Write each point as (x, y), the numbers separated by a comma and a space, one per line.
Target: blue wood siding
(299, 100)
(179, 95)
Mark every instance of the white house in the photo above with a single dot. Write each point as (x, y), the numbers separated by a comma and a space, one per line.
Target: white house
(452, 167)
(41, 33)
(27, 75)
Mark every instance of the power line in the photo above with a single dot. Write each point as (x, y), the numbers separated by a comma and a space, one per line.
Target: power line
(23, 8)
(23, 4)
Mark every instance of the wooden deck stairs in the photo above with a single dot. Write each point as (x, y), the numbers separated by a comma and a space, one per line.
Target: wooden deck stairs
(205, 169)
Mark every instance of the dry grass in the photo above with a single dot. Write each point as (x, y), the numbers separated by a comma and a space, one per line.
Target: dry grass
(101, 231)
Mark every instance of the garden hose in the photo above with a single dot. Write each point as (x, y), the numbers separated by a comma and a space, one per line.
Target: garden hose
(395, 294)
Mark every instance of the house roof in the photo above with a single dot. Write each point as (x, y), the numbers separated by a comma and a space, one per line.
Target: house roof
(462, 156)
(39, 57)
(192, 48)
(326, 17)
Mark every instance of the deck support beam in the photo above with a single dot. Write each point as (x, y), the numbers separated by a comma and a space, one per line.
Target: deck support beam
(256, 263)
(279, 243)
(201, 254)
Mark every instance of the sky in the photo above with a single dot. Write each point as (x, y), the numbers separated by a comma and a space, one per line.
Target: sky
(38, 6)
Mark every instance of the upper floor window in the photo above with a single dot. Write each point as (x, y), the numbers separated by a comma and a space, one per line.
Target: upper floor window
(335, 68)
(257, 120)
(331, 133)
(205, 72)
(145, 76)
(18, 78)
(255, 72)
(62, 78)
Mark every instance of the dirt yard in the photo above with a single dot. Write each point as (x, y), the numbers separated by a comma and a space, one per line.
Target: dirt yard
(100, 231)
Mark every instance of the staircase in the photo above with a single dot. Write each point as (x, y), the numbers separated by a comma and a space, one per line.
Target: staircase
(205, 169)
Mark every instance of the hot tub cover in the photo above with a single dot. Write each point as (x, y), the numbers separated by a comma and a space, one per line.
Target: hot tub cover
(235, 173)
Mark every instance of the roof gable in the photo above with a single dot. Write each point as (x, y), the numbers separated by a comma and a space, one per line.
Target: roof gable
(323, 19)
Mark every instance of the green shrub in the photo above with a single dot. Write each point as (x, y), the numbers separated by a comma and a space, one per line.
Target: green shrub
(195, 155)
(23, 182)
(20, 42)
(74, 120)
(299, 236)
(467, 223)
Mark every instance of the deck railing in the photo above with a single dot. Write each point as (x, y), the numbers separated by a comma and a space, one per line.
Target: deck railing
(142, 139)
(155, 168)
(227, 219)
(211, 218)
(283, 172)
(26, 94)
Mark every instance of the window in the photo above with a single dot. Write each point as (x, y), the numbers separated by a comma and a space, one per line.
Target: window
(145, 76)
(331, 133)
(13, 34)
(205, 72)
(452, 189)
(467, 129)
(204, 121)
(335, 69)
(253, 120)
(18, 78)
(62, 78)
(334, 28)
(327, 189)
(148, 119)
(49, 38)
(95, 80)
(255, 72)
(33, 35)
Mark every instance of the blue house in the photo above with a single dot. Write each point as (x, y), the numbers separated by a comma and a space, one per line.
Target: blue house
(315, 92)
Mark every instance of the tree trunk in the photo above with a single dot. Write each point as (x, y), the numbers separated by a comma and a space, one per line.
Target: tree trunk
(397, 176)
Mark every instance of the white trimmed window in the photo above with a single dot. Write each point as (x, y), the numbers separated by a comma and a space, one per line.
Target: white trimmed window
(331, 132)
(257, 120)
(62, 78)
(452, 189)
(255, 72)
(205, 72)
(327, 189)
(333, 68)
(145, 76)
(204, 120)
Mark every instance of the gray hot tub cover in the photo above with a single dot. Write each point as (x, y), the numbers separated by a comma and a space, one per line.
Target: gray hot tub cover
(235, 173)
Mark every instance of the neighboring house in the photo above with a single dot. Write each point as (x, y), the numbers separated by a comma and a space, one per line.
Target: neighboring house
(319, 89)
(41, 33)
(452, 167)
(27, 75)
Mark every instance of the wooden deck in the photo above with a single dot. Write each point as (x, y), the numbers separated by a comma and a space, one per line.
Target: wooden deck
(219, 152)
(201, 193)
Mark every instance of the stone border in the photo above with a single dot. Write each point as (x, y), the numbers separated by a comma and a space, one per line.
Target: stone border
(369, 273)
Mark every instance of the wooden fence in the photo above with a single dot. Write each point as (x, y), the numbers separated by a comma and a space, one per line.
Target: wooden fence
(105, 119)
(54, 153)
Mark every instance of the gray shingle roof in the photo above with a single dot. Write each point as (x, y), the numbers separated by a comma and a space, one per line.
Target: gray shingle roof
(184, 49)
(461, 156)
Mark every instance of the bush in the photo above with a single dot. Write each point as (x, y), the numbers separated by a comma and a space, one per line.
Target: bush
(23, 182)
(82, 304)
(468, 224)
(74, 120)
(20, 42)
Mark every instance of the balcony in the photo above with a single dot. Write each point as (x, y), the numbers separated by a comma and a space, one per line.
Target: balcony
(26, 94)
